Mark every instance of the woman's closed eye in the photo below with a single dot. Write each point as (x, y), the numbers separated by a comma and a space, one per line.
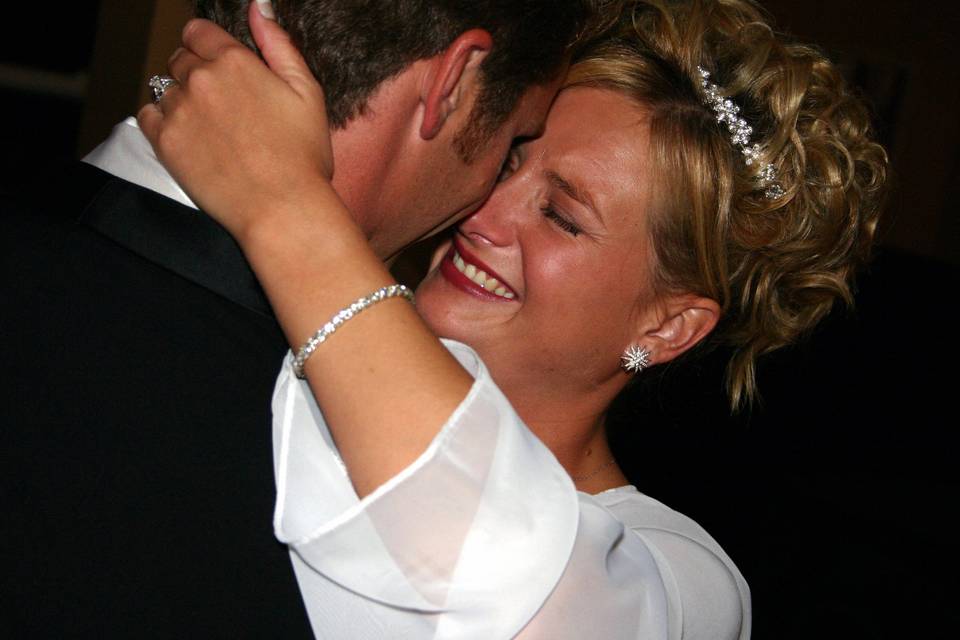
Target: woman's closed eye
(561, 221)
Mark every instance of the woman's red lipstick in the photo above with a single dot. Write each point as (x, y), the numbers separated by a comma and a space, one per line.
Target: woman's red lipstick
(457, 278)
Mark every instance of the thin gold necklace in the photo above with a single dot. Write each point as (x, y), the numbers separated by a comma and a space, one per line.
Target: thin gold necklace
(605, 465)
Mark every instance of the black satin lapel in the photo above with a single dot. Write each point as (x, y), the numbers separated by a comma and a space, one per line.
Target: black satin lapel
(176, 237)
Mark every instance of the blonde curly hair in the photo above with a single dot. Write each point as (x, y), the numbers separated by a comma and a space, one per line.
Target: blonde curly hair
(775, 266)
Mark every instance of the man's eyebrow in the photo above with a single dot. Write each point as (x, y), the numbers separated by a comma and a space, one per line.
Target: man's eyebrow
(580, 195)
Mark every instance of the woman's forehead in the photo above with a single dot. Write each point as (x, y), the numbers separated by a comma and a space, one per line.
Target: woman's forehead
(598, 140)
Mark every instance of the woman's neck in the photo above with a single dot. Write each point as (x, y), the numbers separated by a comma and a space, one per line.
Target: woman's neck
(579, 442)
(567, 414)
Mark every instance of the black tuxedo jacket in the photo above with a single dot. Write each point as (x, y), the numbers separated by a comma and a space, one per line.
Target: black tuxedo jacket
(139, 357)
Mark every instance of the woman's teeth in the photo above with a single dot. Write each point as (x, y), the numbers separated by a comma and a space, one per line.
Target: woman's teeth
(480, 277)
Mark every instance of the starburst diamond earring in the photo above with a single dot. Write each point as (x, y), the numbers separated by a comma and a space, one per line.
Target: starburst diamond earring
(635, 359)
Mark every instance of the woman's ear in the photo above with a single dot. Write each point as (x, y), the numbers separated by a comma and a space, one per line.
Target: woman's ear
(681, 322)
(453, 75)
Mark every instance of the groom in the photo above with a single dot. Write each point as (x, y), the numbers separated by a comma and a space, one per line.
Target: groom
(140, 353)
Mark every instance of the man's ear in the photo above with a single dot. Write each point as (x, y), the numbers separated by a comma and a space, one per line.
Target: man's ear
(451, 76)
(682, 322)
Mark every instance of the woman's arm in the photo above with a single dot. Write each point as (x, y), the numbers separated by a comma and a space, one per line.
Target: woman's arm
(385, 383)
(251, 147)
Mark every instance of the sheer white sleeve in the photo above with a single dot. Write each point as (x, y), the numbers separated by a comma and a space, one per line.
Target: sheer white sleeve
(483, 536)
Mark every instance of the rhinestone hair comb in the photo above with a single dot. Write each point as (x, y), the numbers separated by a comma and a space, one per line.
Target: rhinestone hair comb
(740, 132)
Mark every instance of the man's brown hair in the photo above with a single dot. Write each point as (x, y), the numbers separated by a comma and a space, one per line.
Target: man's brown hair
(351, 46)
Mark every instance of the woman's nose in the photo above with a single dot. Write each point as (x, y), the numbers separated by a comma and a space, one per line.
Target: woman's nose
(501, 217)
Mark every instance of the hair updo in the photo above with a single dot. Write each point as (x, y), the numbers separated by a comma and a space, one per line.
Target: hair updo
(775, 266)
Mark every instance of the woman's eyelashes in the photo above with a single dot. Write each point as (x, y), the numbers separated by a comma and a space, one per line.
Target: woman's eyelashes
(564, 223)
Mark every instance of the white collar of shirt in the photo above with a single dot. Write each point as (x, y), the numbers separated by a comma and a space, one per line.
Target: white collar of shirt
(127, 154)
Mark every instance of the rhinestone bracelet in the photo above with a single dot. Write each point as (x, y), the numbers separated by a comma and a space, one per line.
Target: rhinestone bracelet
(327, 330)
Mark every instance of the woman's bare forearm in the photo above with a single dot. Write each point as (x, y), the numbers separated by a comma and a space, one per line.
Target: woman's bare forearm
(385, 383)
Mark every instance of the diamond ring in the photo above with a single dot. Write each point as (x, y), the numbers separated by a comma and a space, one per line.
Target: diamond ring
(160, 84)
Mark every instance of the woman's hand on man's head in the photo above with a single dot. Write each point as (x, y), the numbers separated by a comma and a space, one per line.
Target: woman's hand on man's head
(240, 136)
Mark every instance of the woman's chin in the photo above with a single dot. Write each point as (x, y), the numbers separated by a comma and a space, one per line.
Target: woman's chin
(439, 309)
(437, 313)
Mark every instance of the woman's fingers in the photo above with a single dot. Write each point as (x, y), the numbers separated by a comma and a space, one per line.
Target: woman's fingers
(280, 54)
(150, 120)
(182, 63)
(154, 118)
(285, 60)
(266, 9)
(207, 39)
(238, 136)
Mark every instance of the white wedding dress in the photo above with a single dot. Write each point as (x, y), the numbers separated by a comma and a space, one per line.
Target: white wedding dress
(485, 536)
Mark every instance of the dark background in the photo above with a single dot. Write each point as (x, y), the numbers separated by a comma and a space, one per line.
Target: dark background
(837, 496)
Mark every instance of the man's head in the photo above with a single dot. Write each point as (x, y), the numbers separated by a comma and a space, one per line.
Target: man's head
(355, 48)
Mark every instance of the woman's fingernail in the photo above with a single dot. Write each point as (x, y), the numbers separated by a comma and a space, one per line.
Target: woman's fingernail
(173, 56)
(266, 9)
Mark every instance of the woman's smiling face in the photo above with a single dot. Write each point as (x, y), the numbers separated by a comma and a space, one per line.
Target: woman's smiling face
(563, 245)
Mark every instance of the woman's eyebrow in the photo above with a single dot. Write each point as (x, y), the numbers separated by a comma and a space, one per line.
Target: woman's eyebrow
(574, 191)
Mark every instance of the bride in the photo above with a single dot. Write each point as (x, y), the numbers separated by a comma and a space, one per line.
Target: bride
(698, 179)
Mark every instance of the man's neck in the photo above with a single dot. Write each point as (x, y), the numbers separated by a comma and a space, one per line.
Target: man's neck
(357, 171)
(368, 155)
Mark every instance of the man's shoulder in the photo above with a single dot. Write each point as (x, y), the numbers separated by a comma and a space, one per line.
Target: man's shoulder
(88, 212)
(54, 199)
